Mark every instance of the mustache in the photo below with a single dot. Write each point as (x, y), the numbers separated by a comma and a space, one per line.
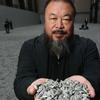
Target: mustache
(60, 31)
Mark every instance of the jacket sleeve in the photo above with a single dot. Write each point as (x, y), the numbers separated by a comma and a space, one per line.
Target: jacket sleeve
(26, 73)
(92, 65)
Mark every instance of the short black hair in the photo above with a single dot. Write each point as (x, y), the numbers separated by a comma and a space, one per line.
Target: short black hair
(66, 1)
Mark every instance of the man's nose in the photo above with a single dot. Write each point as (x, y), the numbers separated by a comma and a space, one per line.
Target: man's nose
(59, 24)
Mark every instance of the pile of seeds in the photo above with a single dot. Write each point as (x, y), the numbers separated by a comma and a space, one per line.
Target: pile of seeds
(63, 90)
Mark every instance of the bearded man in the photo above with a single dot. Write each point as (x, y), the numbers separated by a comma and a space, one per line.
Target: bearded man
(57, 54)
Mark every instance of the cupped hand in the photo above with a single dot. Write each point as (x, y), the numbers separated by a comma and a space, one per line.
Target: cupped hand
(31, 90)
(84, 81)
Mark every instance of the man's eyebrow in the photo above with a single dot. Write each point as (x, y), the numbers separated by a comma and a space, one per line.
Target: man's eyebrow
(52, 14)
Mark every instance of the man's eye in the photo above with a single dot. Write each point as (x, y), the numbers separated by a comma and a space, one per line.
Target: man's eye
(67, 19)
(53, 18)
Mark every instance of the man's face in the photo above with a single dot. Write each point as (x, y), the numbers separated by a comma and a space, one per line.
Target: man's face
(58, 20)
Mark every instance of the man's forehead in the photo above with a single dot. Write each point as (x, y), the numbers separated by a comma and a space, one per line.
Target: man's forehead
(59, 2)
(56, 7)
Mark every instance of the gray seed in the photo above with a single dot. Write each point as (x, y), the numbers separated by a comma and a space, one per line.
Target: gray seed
(63, 90)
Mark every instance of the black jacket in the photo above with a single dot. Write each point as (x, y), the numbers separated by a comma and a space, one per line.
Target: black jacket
(33, 62)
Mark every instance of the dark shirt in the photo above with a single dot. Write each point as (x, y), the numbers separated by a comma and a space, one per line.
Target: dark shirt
(56, 67)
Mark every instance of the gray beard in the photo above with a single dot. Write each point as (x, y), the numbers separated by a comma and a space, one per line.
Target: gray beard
(58, 47)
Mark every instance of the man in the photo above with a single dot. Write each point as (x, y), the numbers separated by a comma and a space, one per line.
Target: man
(7, 27)
(57, 54)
